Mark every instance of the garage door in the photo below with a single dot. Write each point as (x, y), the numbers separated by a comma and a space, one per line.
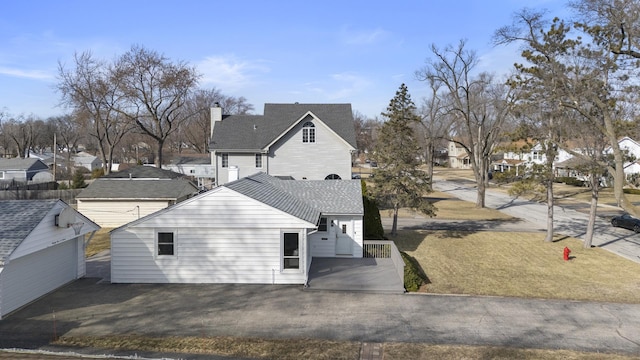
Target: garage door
(28, 278)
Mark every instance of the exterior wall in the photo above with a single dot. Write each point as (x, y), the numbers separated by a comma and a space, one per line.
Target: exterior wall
(27, 278)
(313, 161)
(323, 244)
(220, 237)
(246, 164)
(116, 213)
(48, 258)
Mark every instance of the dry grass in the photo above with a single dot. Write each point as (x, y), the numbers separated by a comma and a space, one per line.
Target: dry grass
(224, 346)
(397, 351)
(100, 241)
(318, 349)
(519, 265)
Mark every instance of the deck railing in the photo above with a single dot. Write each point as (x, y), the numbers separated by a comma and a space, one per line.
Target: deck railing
(385, 249)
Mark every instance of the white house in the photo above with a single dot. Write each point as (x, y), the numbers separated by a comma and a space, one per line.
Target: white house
(24, 170)
(128, 195)
(42, 245)
(258, 229)
(196, 166)
(299, 141)
(87, 161)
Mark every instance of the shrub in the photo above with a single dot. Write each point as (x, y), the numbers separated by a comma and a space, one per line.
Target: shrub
(372, 222)
(631, 191)
(414, 277)
(78, 181)
(97, 173)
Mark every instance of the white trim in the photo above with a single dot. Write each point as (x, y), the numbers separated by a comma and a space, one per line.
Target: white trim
(301, 250)
(156, 254)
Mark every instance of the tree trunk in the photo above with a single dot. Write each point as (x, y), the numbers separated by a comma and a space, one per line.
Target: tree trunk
(428, 156)
(394, 226)
(592, 212)
(158, 162)
(549, 237)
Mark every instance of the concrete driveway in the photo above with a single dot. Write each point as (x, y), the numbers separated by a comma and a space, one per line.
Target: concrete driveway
(274, 311)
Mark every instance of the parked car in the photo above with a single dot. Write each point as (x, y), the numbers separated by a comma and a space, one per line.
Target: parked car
(626, 221)
(355, 176)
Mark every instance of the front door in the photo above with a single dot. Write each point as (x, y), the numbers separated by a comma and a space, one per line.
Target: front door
(344, 238)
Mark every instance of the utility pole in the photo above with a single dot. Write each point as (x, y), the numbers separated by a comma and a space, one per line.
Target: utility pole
(54, 150)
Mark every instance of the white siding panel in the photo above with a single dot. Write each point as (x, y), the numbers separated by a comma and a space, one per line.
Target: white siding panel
(223, 208)
(25, 279)
(117, 213)
(202, 256)
(313, 161)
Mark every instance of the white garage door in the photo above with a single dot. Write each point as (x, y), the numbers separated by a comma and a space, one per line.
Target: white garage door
(28, 278)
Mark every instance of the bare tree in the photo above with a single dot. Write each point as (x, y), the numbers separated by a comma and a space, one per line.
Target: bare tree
(91, 90)
(478, 105)
(197, 129)
(435, 125)
(155, 90)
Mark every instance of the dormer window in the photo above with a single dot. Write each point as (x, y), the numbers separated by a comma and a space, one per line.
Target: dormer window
(308, 132)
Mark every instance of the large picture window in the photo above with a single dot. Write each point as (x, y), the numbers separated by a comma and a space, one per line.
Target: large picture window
(291, 251)
(166, 244)
(308, 133)
(225, 160)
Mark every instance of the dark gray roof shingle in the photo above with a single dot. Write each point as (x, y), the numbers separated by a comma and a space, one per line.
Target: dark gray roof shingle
(255, 132)
(22, 164)
(143, 172)
(141, 189)
(304, 199)
(17, 219)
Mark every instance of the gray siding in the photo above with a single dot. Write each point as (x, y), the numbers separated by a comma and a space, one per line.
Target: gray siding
(313, 161)
(221, 237)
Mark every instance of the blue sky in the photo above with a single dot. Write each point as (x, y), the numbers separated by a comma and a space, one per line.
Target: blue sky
(356, 52)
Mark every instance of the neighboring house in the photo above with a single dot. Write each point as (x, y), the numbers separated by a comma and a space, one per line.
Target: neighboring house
(42, 245)
(24, 170)
(87, 161)
(632, 149)
(128, 195)
(259, 229)
(197, 166)
(458, 157)
(300, 141)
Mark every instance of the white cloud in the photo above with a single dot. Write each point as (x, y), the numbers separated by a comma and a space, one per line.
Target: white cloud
(229, 73)
(28, 74)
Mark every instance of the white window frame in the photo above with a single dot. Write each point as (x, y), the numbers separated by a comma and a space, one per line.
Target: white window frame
(308, 133)
(157, 243)
(299, 256)
(224, 160)
(258, 161)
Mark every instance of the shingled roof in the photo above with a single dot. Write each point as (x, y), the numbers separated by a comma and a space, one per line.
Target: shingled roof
(22, 164)
(138, 189)
(17, 219)
(256, 132)
(305, 199)
(144, 172)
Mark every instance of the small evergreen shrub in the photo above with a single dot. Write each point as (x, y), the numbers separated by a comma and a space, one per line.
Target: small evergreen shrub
(414, 277)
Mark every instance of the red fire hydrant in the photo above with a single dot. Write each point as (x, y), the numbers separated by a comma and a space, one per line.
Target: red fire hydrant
(567, 251)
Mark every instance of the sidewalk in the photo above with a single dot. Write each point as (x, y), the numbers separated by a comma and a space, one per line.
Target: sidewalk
(566, 221)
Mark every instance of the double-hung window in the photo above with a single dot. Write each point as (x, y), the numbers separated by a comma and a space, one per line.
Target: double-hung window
(166, 243)
(225, 160)
(291, 250)
(308, 132)
(258, 161)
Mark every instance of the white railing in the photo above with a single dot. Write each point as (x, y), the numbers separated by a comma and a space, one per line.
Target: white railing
(385, 249)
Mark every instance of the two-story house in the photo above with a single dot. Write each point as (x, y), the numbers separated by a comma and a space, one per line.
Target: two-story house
(298, 141)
